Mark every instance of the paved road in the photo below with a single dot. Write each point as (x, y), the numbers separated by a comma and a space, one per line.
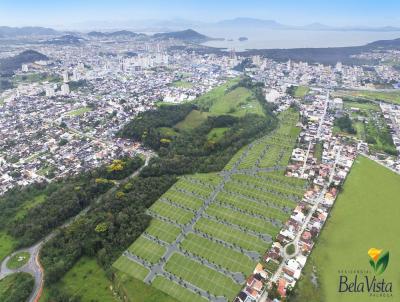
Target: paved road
(321, 122)
(318, 201)
(33, 266)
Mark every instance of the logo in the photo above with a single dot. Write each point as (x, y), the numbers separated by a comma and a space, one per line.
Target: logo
(365, 281)
(378, 261)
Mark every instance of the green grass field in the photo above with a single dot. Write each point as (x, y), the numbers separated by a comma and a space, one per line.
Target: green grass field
(237, 102)
(163, 230)
(7, 244)
(176, 291)
(171, 212)
(183, 199)
(216, 133)
(361, 105)
(364, 216)
(29, 205)
(79, 111)
(147, 249)
(182, 84)
(202, 276)
(230, 259)
(131, 268)
(18, 260)
(222, 100)
(192, 120)
(135, 290)
(301, 91)
(387, 96)
(88, 281)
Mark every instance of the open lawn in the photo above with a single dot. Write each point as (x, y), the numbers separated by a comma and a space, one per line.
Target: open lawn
(7, 244)
(171, 212)
(216, 133)
(147, 249)
(18, 260)
(163, 230)
(136, 291)
(192, 120)
(182, 84)
(365, 216)
(131, 268)
(251, 206)
(167, 132)
(237, 102)
(79, 111)
(202, 276)
(183, 199)
(232, 260)
(301, 91)
(241, 219)
(176, 291)
(233, 236)
(88, 281)
(29, 205)
(361, 105)
(387, 96)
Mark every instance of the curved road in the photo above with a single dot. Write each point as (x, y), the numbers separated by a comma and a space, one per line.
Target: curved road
(33, 266)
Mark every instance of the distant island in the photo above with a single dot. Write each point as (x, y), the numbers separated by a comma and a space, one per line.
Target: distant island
(241, 39)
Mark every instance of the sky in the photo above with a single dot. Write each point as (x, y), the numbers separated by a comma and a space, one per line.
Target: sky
(71, 13)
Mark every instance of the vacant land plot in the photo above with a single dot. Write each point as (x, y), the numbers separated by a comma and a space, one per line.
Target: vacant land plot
(182, 84)
(202, 276)
(217, 253)
(233, 236)
(30, 204)
(88, 281)
(192, 120)
(216, 133)
(7, 244)
(147, 249)
(177, 291)
(171, 212)
(386, 96)
(301, 91)
(79, 111)
(362, 218)
(131, 268)
(163, 230)
(137, 291)
(237, 102)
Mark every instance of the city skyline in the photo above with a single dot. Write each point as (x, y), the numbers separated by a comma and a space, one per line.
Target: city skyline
(76, 14)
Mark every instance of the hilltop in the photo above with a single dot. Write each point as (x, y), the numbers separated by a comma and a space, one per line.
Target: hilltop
(188, 35)
(9, 65)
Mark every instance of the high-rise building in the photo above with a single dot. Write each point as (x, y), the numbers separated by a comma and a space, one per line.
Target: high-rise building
(339, 67)
(25, 68)
(65, 89)
(65, 76)
(49, 89)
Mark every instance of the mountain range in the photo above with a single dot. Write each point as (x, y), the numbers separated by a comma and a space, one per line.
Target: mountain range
(128, 28)
(242, 22)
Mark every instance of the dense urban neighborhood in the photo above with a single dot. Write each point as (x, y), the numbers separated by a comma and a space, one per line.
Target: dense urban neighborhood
(155, 165)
